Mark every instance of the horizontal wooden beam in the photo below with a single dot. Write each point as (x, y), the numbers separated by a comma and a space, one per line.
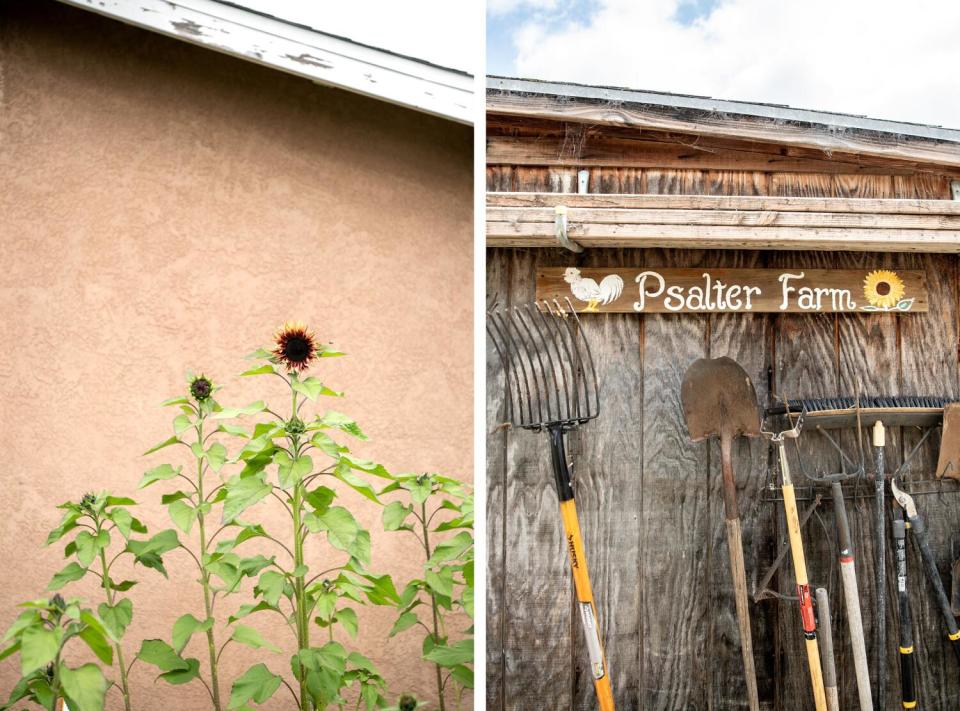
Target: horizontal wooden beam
(538, 234)
(732, 218)
(527, 220)
(718, 124)
(634, 153)
(723, 202)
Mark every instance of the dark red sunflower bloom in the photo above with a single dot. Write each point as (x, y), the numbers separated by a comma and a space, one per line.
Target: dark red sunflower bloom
(295, 346)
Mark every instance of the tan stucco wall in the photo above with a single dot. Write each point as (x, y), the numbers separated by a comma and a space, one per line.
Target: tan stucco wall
(163, 208)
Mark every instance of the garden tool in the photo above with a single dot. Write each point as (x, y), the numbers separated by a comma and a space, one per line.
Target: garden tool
(829, 665)
(955, 588)
(880, 571)
(719, 400)
(923, 411)
(552, 387)
(908, 688)
(799, 562)
(848, 575)
(948, 463)
(918, 531)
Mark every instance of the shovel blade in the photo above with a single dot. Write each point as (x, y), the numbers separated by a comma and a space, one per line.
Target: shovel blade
(948, 463)
(719, 399)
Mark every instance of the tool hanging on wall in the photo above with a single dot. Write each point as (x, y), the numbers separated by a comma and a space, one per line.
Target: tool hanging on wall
(880, 563)
(719, 399)
(829, 664)
(908, 687)
(918, 531)
(848, 571)
(552, 387)
(923, 411)
(807, 617)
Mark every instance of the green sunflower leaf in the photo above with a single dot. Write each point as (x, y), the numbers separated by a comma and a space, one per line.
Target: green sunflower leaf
(116, 618)
(251, 638)
(38, 647)
(164, 443)
(160, 473)
(185, 627)
(257, 684)
(72, 572)
(85, 687)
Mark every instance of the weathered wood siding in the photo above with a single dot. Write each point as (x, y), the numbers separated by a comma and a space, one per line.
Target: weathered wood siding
(651, 501)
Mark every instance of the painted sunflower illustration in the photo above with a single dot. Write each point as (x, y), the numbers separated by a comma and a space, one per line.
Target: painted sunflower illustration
(295, 346)
(883, 288)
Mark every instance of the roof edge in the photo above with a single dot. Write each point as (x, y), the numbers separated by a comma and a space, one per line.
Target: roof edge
(708, 105)
(297, 49)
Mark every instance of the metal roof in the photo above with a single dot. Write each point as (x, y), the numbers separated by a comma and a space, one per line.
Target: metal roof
(775, 112)
(301, 50)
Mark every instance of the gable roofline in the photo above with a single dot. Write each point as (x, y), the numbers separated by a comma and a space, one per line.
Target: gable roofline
(717, 117)
(301, 50)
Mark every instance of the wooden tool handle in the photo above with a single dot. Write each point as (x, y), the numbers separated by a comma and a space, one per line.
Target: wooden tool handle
(735, 546)
(586, 605)
(803, 591)
(851, 598)
(829, 665)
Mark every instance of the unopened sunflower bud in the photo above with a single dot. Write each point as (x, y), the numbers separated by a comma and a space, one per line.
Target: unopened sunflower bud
(407, 703)
(57, 602)
(295, 426)
(200, 388)
(87, 502)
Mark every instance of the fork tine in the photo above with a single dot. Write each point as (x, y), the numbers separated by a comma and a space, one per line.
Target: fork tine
(543, 387)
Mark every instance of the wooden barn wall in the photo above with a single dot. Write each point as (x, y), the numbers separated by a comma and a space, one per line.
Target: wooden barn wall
(651, 501)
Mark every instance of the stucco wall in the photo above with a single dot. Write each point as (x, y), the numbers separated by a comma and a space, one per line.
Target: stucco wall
(164, 208)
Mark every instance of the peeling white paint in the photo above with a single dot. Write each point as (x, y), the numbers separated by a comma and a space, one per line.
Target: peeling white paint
(298, 50)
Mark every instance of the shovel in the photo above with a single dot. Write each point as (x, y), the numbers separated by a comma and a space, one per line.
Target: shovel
(719, 401)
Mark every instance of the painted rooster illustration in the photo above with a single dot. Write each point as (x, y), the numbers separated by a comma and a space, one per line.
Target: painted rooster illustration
(586, 289)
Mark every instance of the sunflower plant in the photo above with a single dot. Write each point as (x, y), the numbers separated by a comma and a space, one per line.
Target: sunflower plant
(278, 462)
(92, 525)
(438, 507)
(40, 635)
(198, 427)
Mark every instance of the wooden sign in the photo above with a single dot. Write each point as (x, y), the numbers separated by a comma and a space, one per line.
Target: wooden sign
(652, 290)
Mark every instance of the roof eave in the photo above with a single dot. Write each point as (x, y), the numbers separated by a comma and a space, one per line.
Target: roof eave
(320, 57)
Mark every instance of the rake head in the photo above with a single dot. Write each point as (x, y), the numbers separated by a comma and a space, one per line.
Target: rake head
(550, 375)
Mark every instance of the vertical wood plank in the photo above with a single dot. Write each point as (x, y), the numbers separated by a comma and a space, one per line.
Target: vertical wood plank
(675, 524)
(537, 595)
(496, 449)
(929, 366)
(608, 463)
(746, 339)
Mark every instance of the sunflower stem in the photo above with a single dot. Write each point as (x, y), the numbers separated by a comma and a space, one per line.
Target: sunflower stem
(433, 603)
(124, 688)
(299, 581)
(205, 581)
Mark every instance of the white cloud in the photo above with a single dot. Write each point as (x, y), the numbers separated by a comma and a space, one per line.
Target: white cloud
(882, 58)
(505, 7)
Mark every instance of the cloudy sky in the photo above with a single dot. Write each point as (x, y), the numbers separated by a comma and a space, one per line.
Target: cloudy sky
(882, 58)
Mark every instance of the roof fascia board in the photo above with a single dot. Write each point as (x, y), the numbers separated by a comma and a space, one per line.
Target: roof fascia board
(720, 106)
(311, 54)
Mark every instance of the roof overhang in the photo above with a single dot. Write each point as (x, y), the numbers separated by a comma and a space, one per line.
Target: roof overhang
(323, 58)
(821, 130)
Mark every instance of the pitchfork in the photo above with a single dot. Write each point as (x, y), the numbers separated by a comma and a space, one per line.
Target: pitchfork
(552, 387)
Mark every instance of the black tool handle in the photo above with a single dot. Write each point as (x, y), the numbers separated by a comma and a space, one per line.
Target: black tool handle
(561, 471)
(919, 531)
(908, 687)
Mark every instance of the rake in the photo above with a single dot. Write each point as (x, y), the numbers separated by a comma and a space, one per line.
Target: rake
(552, 387)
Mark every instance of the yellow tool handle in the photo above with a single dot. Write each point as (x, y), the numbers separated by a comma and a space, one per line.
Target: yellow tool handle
(803, 590)
(586, 605)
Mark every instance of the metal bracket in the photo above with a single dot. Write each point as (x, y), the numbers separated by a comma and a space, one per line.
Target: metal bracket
(583, 182)
(560, 230)
(955, 189)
